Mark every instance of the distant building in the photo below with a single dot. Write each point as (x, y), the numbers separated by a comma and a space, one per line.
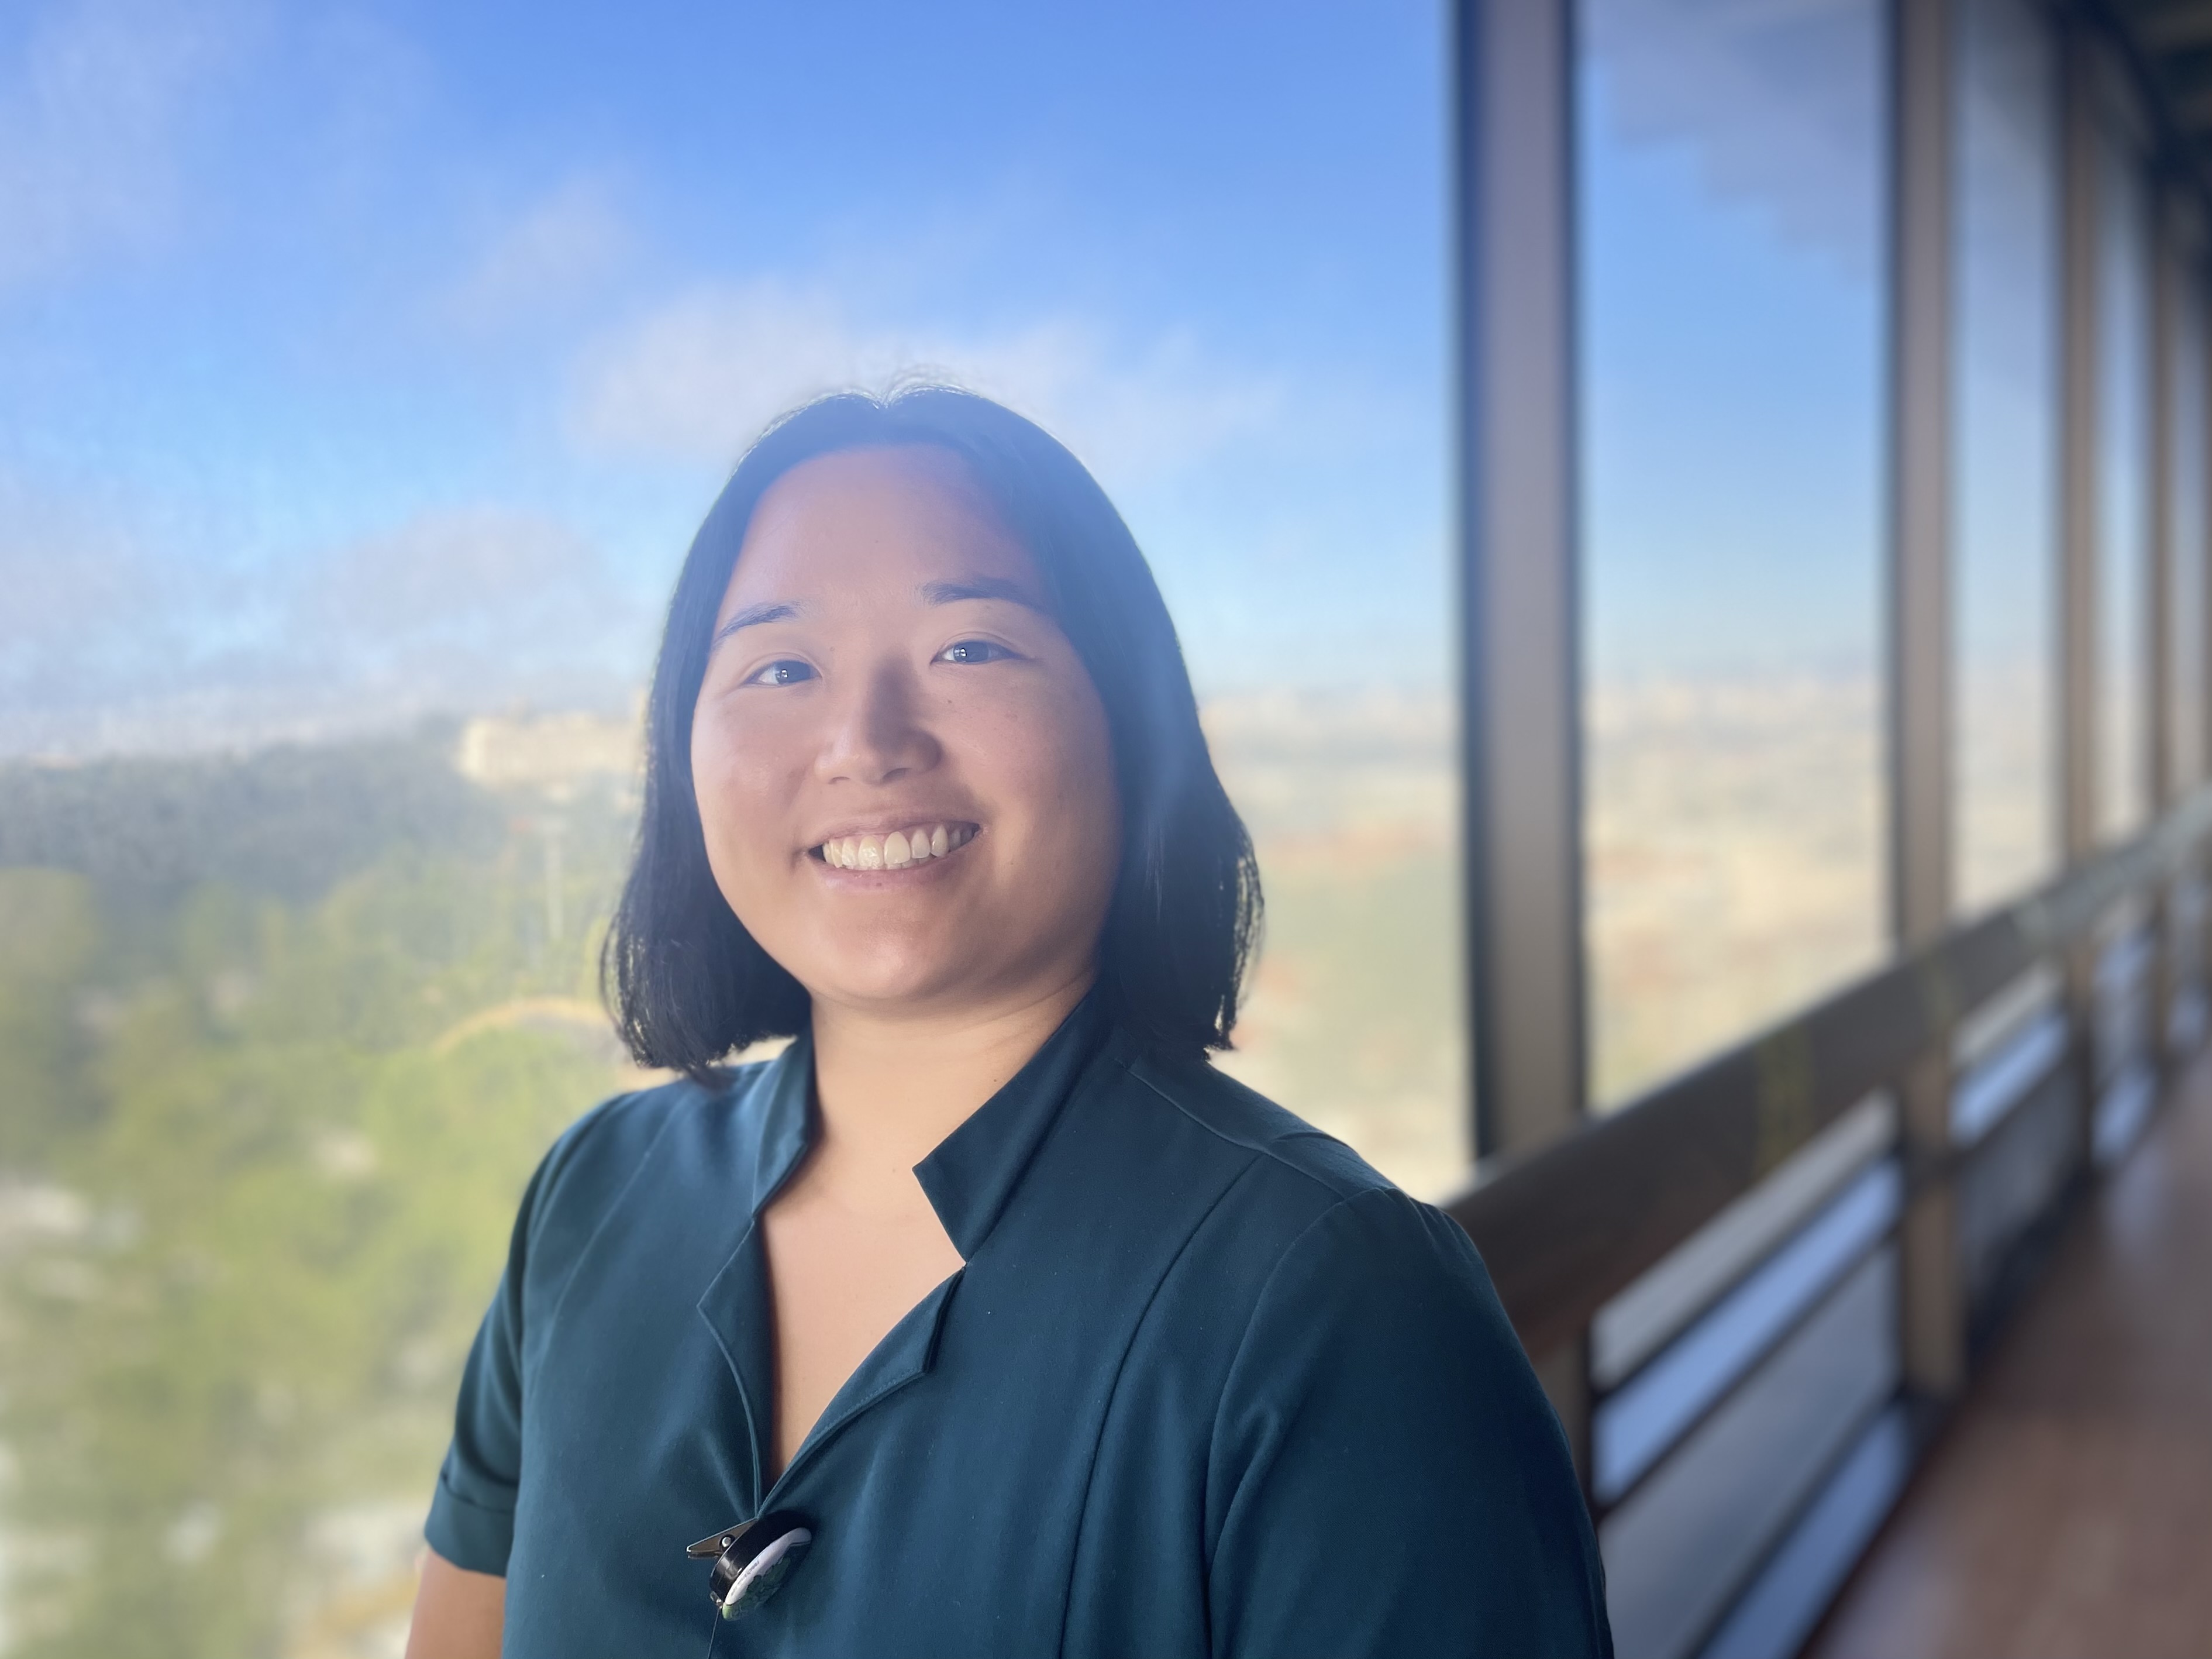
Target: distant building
(553, 752)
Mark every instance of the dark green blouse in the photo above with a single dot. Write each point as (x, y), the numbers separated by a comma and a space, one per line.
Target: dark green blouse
(1207, 1385)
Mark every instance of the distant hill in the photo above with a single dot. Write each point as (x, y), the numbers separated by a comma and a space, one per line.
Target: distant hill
(289, 822)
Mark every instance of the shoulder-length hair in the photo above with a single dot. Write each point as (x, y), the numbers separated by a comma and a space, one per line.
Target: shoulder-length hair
(689, 984)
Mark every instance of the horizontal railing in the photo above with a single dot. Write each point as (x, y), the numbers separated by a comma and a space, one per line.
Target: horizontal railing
(1723, 1257)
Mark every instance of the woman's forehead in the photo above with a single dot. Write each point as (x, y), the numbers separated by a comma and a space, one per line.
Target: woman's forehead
(891, 517)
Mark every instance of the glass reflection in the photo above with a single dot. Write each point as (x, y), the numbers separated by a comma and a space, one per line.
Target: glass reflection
(2123, 526)
(2004, 500)
(1730, 162)
(2185, 615)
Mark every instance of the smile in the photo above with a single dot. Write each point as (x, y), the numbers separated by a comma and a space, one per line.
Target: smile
(896, 850)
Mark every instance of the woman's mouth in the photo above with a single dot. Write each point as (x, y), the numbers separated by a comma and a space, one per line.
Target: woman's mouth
(896, 849)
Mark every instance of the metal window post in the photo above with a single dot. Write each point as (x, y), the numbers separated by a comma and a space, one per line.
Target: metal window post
(1920, 639)
(2200, 282)
(1514, 65)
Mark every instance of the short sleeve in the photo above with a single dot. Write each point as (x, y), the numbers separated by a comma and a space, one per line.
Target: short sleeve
(1387, 1475)
(472, 1520)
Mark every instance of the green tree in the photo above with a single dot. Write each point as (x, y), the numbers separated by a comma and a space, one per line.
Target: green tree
(258, 1158)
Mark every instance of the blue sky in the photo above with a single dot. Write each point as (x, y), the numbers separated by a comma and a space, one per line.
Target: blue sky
(1730, 210)
(360, 361)
(357, 362)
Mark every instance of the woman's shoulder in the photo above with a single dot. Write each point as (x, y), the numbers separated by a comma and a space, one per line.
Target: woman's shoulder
(1298, 1206)
(1340, 1286)
(599, 1155)
(1309, 1168)
(1360, 1362)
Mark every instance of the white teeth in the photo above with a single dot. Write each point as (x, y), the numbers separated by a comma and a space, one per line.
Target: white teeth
(896, 850)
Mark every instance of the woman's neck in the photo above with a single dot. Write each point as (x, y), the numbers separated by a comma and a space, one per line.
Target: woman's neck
(889, 1090)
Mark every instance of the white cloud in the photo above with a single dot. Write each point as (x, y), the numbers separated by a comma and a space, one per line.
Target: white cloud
(1778, 101)
(92, 125)
(696, 377)
(556, 253)
(61, 566)
(106, 646)
(460, 603)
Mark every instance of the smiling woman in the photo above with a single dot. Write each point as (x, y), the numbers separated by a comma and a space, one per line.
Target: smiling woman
(936, 514)
(988, 1318)
(912, 679)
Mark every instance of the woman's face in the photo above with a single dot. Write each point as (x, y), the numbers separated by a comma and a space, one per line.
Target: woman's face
(903, 767)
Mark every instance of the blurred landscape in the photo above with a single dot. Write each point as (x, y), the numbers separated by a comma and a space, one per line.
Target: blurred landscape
(1357, 1017)
(1734, 839)
(283, 1034)
(1735, 845)
(280, 1039)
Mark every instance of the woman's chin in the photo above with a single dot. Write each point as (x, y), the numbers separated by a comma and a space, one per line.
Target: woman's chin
(892, 989)
(919, 987)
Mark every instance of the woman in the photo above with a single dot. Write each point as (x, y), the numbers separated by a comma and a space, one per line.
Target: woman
(1017, 1328)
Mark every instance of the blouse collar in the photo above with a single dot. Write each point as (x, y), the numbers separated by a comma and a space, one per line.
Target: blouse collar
(972, 1172)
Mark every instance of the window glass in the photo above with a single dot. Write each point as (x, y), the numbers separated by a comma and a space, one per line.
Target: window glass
(2185, 616)
(2004, 496)
(2123, 520)
(1729, 162)
(364, 372)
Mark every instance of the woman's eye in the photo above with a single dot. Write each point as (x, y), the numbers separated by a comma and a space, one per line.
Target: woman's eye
(787, 671)
(974, 651)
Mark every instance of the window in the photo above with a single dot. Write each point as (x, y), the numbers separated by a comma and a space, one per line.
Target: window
(363, 375)
(2123, 519)
(1729, 176)
(2188, 434)
(2004, 497)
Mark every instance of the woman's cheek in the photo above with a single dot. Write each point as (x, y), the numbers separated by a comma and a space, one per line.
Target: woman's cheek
(731, 744)
(1043, 733)
(1077, 748)
(726, 779)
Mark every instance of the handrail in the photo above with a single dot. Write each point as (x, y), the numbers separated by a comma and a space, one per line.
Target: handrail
(1565, 1227)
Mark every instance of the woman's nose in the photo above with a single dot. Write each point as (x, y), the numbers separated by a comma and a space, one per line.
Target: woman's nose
(876, 735)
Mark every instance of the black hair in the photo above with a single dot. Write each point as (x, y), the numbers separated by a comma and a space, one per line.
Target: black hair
(689, 984)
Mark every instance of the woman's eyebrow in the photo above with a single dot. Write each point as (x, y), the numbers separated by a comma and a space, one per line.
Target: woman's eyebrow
(980, 588)
(752, 616)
